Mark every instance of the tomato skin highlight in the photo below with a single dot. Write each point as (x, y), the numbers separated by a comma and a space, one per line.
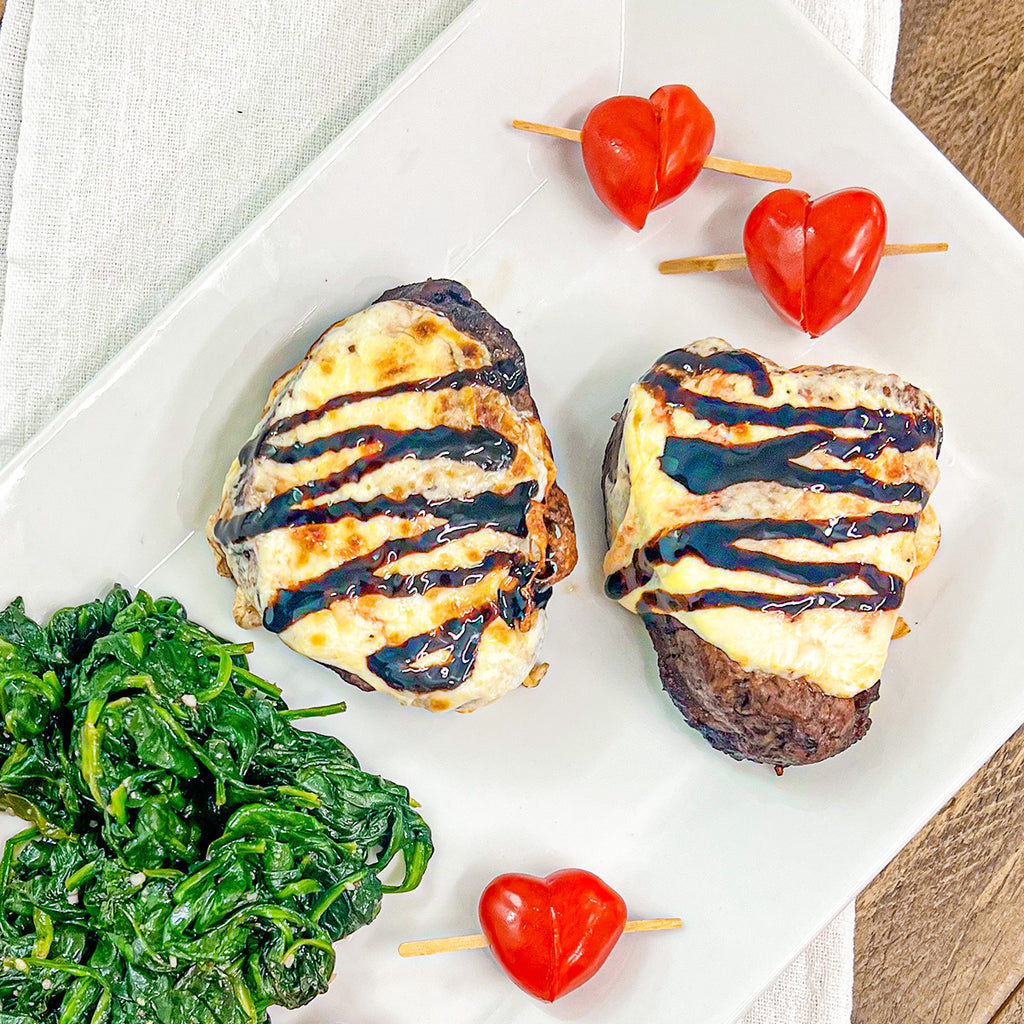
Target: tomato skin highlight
(814, 260)
(773, 239)
(686, 135)
(620, 154)
(551, 934)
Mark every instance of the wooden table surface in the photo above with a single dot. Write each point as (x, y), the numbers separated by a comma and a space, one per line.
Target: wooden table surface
(940, 932)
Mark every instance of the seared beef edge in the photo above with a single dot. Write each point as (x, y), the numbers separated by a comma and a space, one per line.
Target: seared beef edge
(759, 716)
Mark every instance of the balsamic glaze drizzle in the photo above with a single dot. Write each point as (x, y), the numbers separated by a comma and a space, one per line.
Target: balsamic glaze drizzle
(505, 512)
(705, 467)
(459, 637)
(742, 364)
(357, 578)
(715, 541)
(484, 448)
(903, 432)
(504, 376)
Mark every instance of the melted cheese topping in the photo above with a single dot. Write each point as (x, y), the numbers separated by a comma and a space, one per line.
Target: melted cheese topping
(296, 446)
(840, 649)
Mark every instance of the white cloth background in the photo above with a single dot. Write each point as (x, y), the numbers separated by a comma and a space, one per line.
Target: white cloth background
(138, 137)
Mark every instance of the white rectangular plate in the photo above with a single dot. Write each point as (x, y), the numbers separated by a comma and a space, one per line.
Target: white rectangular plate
(595, 768)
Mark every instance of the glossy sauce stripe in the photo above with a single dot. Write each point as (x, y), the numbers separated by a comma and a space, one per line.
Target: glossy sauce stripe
(706, 467)
(903, 432)
(504, 376)
(479, 445)
(715, 541)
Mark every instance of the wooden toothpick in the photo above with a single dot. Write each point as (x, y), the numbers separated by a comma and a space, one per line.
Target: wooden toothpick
(700, 264)
(737, 260)
(427, 947)
(713, 163)
(547, 129)
(759, 171)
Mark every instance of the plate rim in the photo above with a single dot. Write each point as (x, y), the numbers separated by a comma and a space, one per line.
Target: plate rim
(150, 334)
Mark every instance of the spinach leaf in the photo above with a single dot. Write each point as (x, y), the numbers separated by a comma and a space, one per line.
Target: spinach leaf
(192, 855)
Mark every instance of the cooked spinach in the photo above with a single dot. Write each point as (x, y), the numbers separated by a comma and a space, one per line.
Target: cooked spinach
(191, 854)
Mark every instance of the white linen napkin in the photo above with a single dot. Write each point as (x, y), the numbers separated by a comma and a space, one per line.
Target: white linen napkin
(128, 160)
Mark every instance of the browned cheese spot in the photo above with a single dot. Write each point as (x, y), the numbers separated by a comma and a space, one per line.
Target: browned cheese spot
(424, 329)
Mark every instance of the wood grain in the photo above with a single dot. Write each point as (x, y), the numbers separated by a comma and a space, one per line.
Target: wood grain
(937, 938)
(960, 79)
(940, 932)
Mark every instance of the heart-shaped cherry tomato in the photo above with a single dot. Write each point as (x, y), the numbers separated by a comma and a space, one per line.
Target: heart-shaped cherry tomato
(640, 154)
(551, 934)
(815, 260)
